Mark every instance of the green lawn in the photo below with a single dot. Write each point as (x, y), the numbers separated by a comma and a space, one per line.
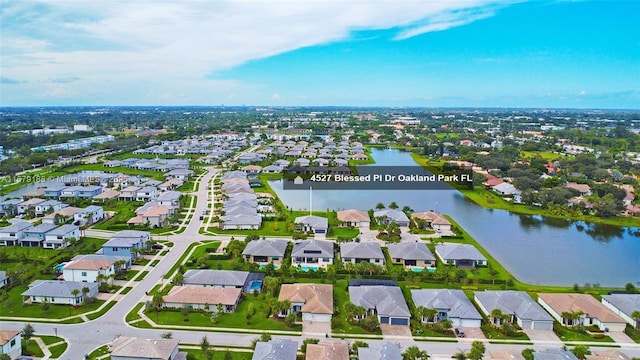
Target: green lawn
(574, 335)
(133, 314)
(12, 305)
(58, 350)
(236, 319)
(101, 312)
(31, 348)
(184, 255)
(125, 210)
(102, 350)
(491, 332)
(131, 274)
(632, 333)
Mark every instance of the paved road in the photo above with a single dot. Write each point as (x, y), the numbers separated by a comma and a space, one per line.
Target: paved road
(84, 338)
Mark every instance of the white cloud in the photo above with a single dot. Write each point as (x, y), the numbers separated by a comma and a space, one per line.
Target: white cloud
(124, 43)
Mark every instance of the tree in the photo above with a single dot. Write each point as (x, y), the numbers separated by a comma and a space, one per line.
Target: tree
(393, 205)
(460, 355)
(185, 311)
(85, 292)
(527, 353)
(414, 353)
(427, 314)
(581, 351)
(358, 344)
(263, 338)
(635, 315)
(27, 333)
(166, 335)
(178, 279)
(75, 293)
(306, 342)
(379, 206)
(206, 348)
(477, 350)
(496, 317)
(290, 319)
(5, 357)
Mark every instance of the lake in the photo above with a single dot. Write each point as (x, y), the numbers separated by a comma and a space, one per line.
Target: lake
(534, 249)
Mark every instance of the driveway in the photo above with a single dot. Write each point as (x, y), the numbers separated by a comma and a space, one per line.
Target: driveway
(315, 328)
(395, 331)
(620, 337)
(473, 333)
(542, 335)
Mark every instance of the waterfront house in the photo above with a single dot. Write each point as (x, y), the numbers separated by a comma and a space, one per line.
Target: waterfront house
(216, 278)
(518, 305)
(316, 225)
(623, 305)
(387, 216)
(412, 256)
(460, 255)
(353, 217)
(434, 220)
(592, 312)
(11, 343)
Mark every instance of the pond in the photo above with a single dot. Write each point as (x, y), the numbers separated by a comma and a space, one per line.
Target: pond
(535, 249)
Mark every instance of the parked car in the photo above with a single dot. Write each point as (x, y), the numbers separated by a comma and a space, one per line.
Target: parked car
(157, 246)
(459, 332)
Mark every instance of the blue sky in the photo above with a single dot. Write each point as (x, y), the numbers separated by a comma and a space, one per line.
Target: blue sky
(471, 53)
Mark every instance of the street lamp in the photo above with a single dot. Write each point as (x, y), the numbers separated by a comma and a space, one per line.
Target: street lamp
(55, 330)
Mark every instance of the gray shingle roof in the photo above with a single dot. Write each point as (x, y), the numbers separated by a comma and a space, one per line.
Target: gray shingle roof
(278, 349)
(266, 248)
(63, 230)
(378, 351)
(455, 302)
(627, 303)
(313, 248)
(393, 215)
(554, 354)
(367, 250)
(57, 288)
(387, 300)
(512, 302)
(410, 251)
(316, 222)
(452, 251)
(215, 277)
(143, 348)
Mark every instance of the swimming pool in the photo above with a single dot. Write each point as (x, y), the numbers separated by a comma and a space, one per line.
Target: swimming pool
(308, 268)
(419, 269)
(255, 285)
(275, 267)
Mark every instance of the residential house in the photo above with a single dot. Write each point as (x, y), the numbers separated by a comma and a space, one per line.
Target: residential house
(120, 262)
(583, 189)
(107, 194)
(460, 255)
(314, 301)
(387, 302)
(505, 354)
(9, 208)
(87, 192)
(263, 252)
(61, 216)
(380, 351)
(312, 254)
(203, 298)
(146, 193)
(4, 279)
(387, 216)
(314, 224)
(124, 243)
(12, 234)
(353, 217)
(518, 305)
(623, 305)
(272, 169)
(180, 174)
(592, 312)
(413, 256)
(452, 305)
(170, 185)
(35, 236)
(29, 205)
(89, 215)
(59, 292)
(356, 252)
(152, 215)
(60, 236)
(280, 349)
(554, 354)
(506, 189)
(126, 348)
(169, 198)
(54, 191)
(88, 270)
(129, 193)
(11, 343)
(216, 278)
(328, 350)
(434, 220)
(48, 207)
(248, 220)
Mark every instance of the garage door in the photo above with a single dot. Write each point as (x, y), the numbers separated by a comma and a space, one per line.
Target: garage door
(316, 317)
(469, 323)
(542, 325)
(399, 321)
(384, 320)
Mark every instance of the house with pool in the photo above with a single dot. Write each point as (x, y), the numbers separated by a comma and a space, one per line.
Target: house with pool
(263, 252)
(312, 254)
(414, 256)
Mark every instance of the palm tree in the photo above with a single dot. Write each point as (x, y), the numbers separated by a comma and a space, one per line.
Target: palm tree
(427, 314)
(567, 317)
(414, 353)
(393, 205)
(75, 293)
(85, 291)
(495, 315)
(635, 315)
(379, 206)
